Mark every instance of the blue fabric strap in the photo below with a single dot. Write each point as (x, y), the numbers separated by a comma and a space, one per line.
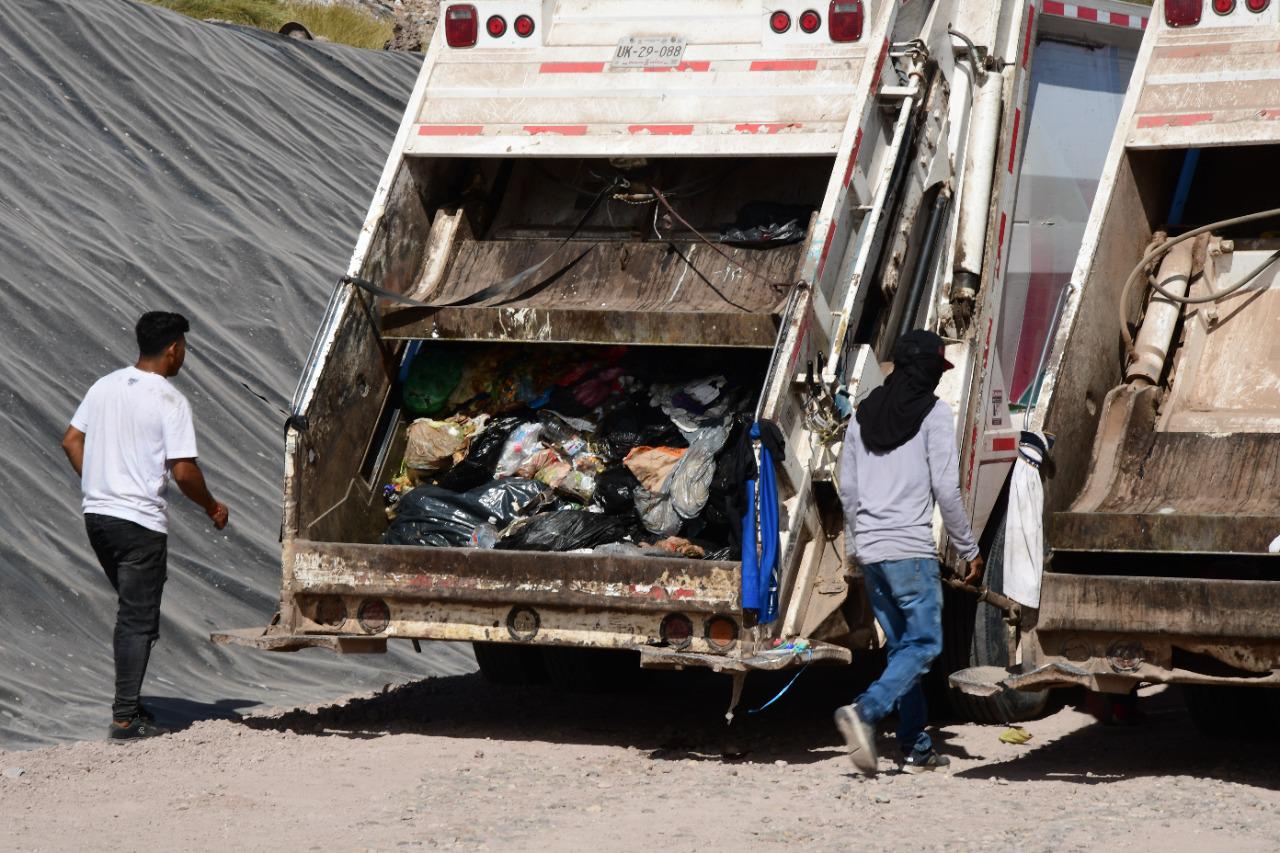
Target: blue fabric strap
(761, 545)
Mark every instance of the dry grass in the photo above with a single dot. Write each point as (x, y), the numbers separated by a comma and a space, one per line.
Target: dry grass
(336, 23)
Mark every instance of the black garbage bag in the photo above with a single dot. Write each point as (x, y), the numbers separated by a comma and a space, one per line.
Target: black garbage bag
(761, 224)
(509, 498)
(615, 490)
(726, 501)
(634, 424)
(477, 468)
(434, 516)
(568, 530)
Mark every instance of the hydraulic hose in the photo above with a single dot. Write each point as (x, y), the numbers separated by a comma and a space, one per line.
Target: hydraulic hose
(1186, 300)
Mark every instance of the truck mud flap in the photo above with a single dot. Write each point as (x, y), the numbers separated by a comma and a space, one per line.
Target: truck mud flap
(270, 641)
(987, 681)
(659, 658)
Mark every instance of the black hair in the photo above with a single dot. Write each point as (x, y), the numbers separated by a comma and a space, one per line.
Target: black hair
(157, 329)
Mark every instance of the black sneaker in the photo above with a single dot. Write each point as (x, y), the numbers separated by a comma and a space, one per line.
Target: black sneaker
(136, 729)
(923, 762)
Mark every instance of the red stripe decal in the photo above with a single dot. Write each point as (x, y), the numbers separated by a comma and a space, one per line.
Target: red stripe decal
(694, 65)
(784, 65)
(826, 248)
(1174, 121)
(1051, 7)
(1000, 243)
(884, 54)
(450, 129)
(1084, 13)
(1000, 444)
(571, 68)
(1119, 19)
(1013, 145)
(986, 347)
(1144, 23)
(558, 129)
(853, 158)
(766, 127)
(973, 452)
(662, 129)
(1026, 39)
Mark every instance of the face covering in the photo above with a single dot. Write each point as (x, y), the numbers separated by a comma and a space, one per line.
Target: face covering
(891, 415)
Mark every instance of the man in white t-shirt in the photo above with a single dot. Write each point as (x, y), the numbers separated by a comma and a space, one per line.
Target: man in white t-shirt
(131, 433)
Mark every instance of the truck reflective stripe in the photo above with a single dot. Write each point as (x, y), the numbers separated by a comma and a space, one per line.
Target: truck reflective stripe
(1088, 13)
(695, 65)
(571, 68)
(661, 129)
(1026, 39)
(558, 129)
(450, 129)
(1174, 121)
(784, 65)
(1013, 145)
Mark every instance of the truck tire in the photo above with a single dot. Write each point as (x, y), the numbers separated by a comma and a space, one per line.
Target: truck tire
(1221, 711)
(506, 663)
(975, 634)
(585, 670)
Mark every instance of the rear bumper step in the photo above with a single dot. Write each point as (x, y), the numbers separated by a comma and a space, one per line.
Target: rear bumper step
(662, 658)
(270, 640)
(992, 680)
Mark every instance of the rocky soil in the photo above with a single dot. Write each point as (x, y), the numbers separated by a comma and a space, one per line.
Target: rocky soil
(456, 763)
(415, 20)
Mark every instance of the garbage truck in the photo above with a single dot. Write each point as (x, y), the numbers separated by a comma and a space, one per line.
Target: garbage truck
(1161, 391)
(713, 218)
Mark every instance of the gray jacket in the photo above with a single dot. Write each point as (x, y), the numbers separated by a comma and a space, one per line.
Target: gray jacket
(888, 497)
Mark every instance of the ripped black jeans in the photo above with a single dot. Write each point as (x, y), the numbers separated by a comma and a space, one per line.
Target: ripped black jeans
(134, 559)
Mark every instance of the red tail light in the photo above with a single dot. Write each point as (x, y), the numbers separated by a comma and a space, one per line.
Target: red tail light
(524, 26)
(461, 25)
(496, 26)
(676, 630)
(1182, 13)
(1224, 7)
(810, 21)
(374, 615)
(779, 22)
(1257, 5)
(721, 633)
(844, 20)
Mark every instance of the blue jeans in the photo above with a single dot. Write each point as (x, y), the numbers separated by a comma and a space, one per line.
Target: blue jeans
(906, 598)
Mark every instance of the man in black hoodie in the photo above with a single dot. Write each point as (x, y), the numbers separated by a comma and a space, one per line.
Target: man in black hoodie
(900, 457)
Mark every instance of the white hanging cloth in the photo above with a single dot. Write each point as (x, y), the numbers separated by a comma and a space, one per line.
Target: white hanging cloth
(1024, 522)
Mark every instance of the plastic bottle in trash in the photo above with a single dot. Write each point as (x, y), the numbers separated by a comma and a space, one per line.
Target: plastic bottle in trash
(484, 536)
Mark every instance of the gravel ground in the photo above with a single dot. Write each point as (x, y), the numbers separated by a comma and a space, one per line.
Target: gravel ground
(456, 763)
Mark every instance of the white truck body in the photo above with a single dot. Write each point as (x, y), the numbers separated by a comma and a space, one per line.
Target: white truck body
(1163, 500)
(876, 133)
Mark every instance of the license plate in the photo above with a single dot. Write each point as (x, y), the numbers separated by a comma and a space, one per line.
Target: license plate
(648, 52)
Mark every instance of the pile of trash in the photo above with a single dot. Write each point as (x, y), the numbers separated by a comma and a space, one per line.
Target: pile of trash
(571, 448)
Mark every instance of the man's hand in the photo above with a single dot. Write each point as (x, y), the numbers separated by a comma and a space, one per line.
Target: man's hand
(190, 479)
(974, 576)
(219, 515)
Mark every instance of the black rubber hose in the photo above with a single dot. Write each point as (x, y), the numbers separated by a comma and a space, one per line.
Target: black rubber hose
(924, 266)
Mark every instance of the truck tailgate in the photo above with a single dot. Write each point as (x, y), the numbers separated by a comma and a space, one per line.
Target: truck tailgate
(351, 591)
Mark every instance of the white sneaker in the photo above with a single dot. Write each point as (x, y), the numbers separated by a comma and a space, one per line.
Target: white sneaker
(860, 737)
